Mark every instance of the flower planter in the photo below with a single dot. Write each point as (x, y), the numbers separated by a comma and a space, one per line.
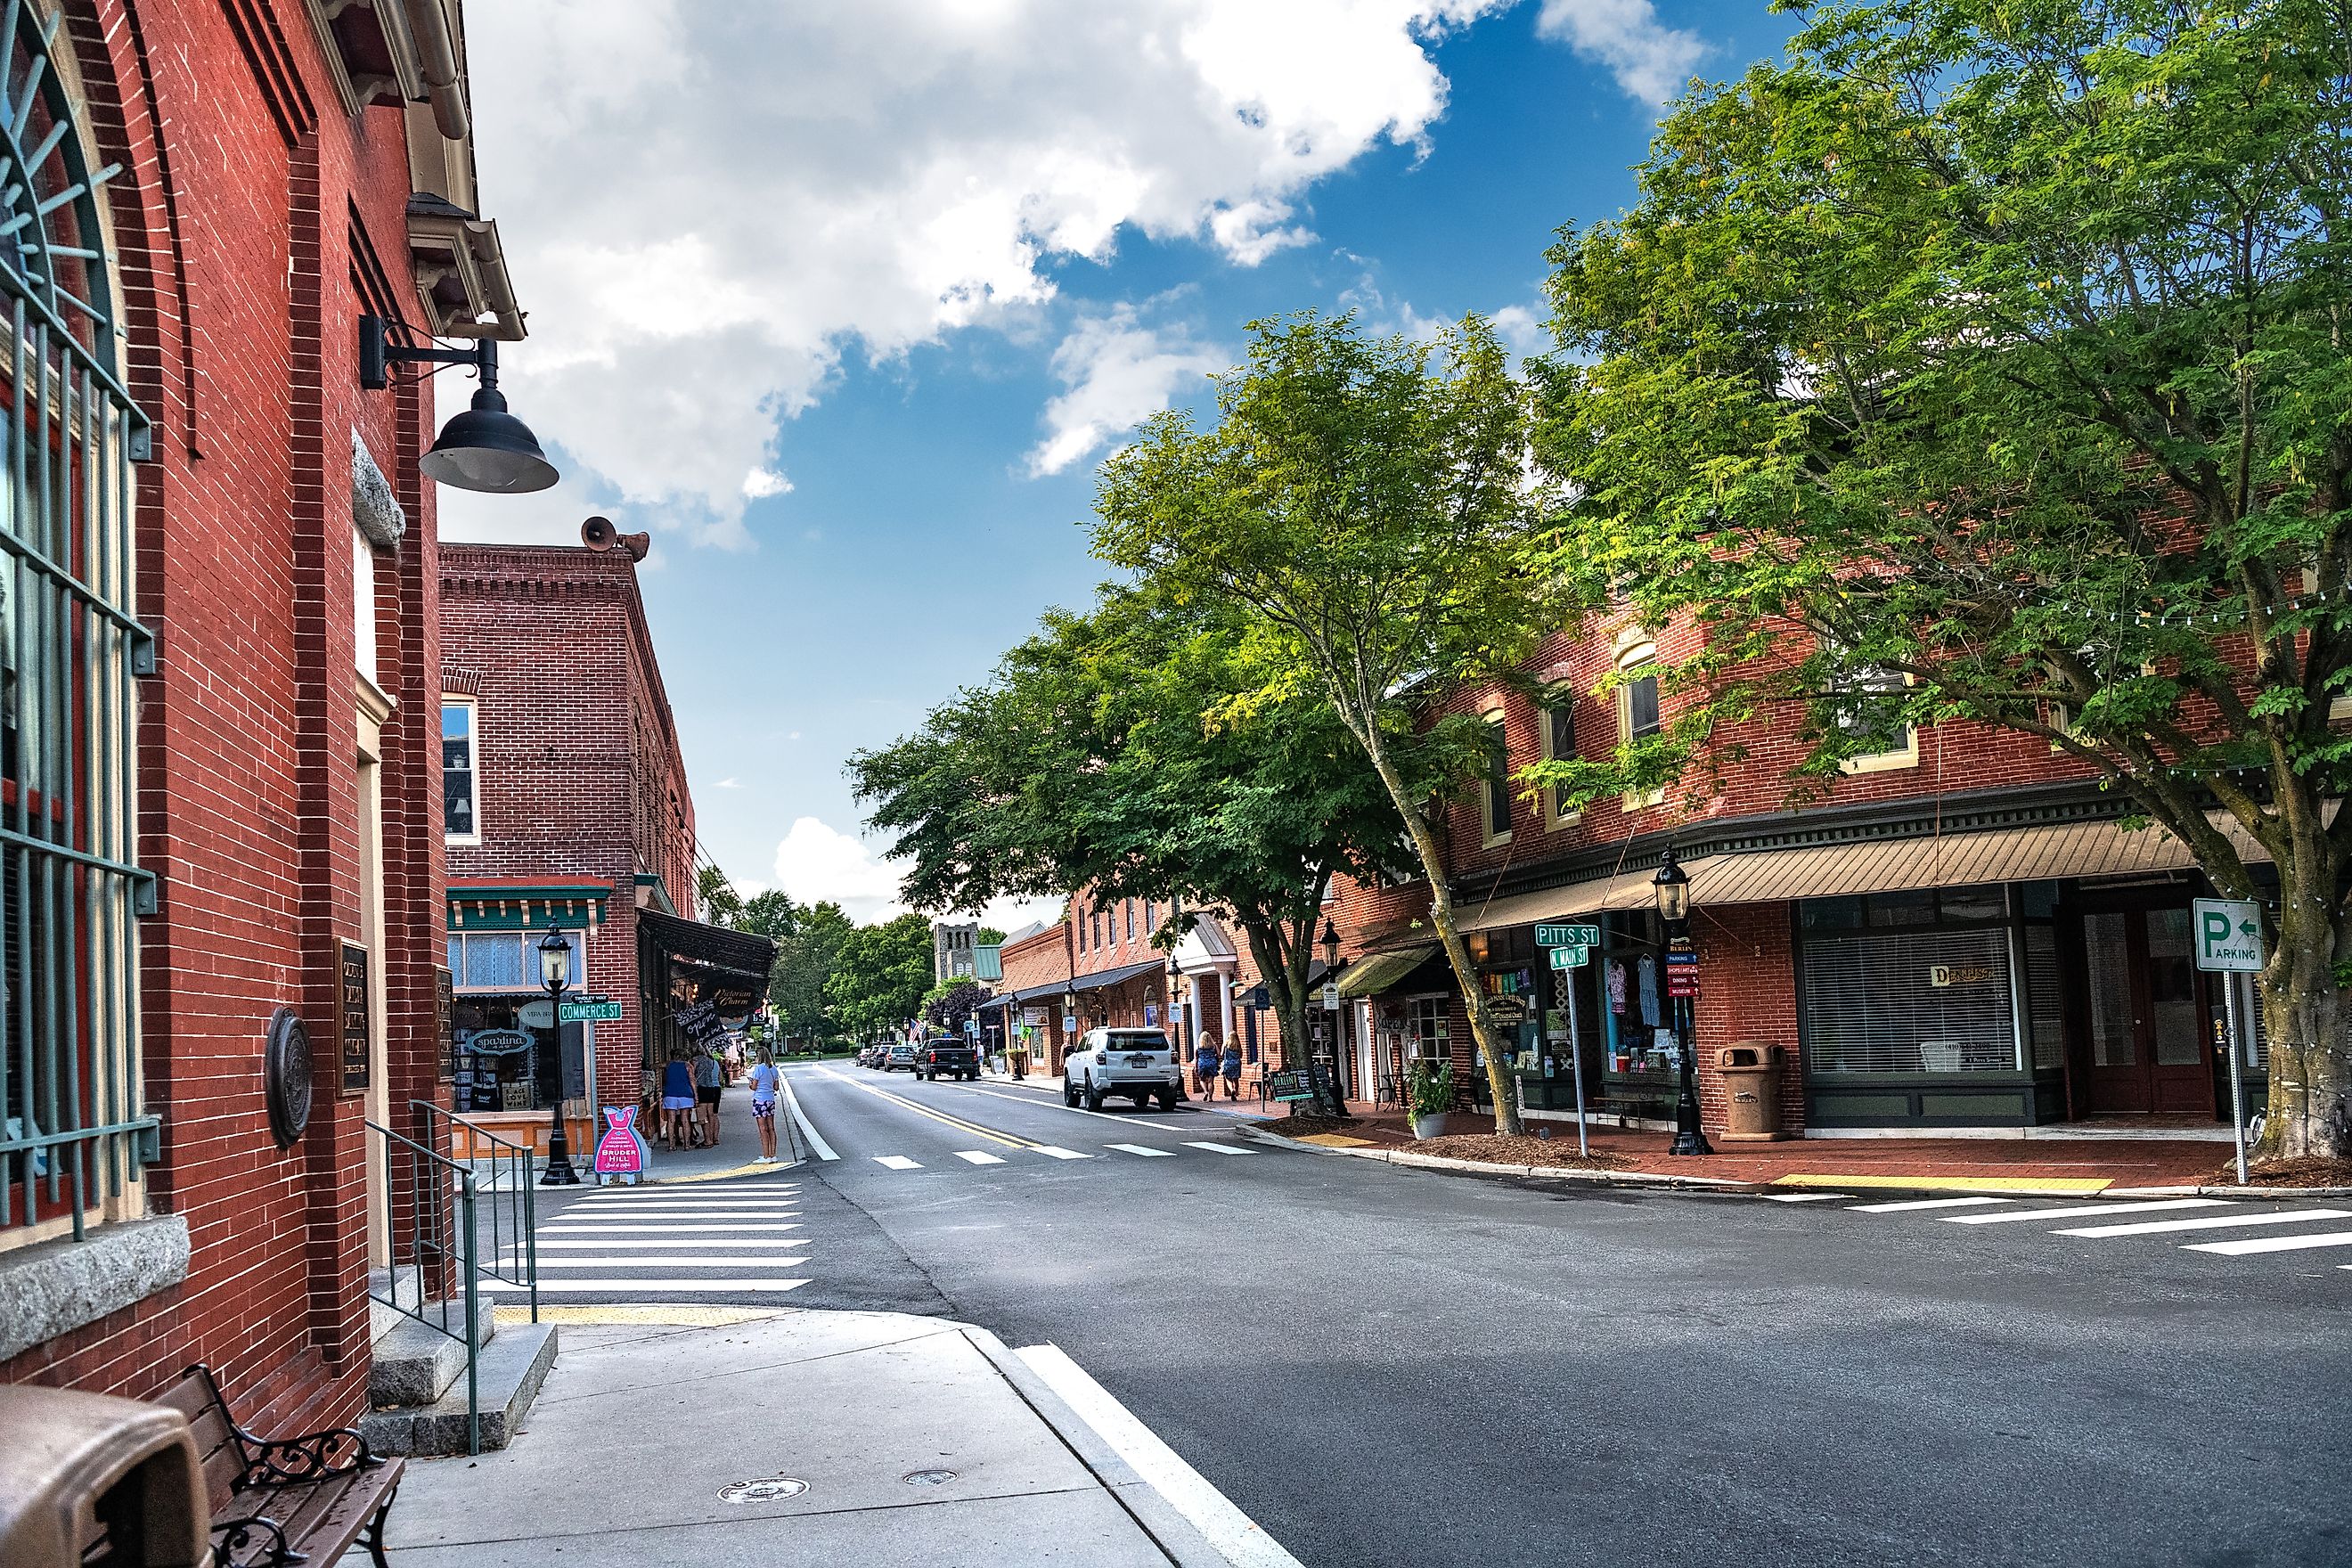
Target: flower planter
(1430, 1126)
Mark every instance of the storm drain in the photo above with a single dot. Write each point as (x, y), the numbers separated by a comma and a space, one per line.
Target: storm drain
(773, 1489)
(928, 1478)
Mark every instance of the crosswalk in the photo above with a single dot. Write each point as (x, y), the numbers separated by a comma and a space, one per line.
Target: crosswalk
(2281, 1230)
(1052, 1151)
(736, 1242)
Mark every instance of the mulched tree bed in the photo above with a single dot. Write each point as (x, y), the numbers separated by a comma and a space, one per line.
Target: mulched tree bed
(2305, 1171)
(1497, 1148)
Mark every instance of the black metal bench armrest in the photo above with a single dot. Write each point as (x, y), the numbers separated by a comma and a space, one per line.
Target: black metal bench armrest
(314, 1456)
(256, 1542)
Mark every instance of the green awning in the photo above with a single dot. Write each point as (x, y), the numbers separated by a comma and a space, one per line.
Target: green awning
(1370, 976)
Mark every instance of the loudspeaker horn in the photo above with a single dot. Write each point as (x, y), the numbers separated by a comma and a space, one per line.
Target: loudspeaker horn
(598, 533)
(636, 544)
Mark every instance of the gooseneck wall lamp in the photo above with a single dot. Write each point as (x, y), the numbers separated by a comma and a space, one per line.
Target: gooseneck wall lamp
(484, 448)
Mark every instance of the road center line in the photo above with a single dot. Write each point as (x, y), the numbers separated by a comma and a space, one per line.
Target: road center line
(1007, 1139)
(1075, 1110)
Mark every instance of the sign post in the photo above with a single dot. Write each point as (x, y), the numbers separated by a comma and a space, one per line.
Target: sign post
(2229, 943)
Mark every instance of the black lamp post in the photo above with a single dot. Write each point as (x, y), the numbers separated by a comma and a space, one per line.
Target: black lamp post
(1326, 1085)
(554, 973)
(1673, 885)
(484, 448)
(1176, 1013)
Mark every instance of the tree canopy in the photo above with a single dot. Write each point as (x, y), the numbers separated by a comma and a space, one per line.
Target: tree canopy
(805, 956)
(1987, 360)
(880, 974)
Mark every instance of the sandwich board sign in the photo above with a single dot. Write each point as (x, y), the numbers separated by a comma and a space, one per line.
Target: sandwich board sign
(2229, 935)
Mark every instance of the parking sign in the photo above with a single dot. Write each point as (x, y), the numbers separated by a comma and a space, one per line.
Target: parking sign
(2229, 935)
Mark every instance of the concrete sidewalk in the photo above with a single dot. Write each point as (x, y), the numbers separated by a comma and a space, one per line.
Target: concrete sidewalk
(718, 1436)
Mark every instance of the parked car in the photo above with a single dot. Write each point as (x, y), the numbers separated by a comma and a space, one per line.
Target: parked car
(901, 1055)
(947, 1056)
(870, 1056)
(1135, 1064)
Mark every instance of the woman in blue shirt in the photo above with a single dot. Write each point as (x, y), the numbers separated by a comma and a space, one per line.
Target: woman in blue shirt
(677, 1102)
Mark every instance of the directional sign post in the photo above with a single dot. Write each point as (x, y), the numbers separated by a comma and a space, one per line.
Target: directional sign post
(1570, 957)
(2228, 941)
(589, 1013)
(1568, 936)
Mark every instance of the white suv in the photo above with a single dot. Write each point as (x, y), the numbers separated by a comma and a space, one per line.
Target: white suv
(1135, 1063)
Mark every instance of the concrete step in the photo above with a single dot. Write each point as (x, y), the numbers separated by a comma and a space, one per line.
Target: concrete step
(399, 1283)
(509, 1372)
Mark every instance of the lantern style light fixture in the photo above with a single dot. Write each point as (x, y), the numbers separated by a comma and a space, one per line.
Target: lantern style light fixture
(555, 973)
(1672, 886)
(1330, 945)
(485, 448)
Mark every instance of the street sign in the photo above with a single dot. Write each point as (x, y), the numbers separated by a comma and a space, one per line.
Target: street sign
(590, 1013)
(1575, 957)
(1330, 996)
(1568, 936)
(971, 1024)
(1258, 996)
(1682, 983)
(2229, 935)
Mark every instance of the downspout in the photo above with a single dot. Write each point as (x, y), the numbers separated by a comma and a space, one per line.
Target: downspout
(436, 61)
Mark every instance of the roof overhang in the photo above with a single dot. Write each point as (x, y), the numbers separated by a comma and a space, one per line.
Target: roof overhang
(461, 272)
(1206, 949)
(1370, 975)
(526, 906)
(371, 51)
(734, 954)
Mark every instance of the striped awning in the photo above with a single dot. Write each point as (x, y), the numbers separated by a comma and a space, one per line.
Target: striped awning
(1876, 865)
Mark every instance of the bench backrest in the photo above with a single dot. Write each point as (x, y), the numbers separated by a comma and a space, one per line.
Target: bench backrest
(196, 1397)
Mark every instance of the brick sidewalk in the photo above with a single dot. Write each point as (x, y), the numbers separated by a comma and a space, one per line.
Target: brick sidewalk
(2121, 1163)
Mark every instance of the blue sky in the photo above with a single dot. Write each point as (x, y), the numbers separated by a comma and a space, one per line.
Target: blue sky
(846, 303)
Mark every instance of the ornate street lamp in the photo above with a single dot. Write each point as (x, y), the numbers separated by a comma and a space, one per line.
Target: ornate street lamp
(1176, 1011)
(1326, 1085)
(1673, 887)
(555, 972)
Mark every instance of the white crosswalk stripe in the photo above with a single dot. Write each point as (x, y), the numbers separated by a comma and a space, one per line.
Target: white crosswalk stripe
(1908, 1205)
(2272, 1244)
(592, 1227)
(732, 1244)
(980, 1157)
(1148, 1152)
(2081, 1210)
(766, 1285)
(897, 1163)
(1217, 1148)
(1806, 1197)
(2209, 1222)
(1052, 1152)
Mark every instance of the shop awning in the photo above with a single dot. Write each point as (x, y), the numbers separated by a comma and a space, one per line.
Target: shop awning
(1878, 866)
(1371, 975)
(738, 952)
(526, 905)
(1113, 976)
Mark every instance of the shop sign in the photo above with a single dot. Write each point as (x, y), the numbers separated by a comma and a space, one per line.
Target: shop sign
(595, 1010)
(1033, 1016)
(1330, 996)
(1568, 936)
(356, 1028)
(1575, 957)
(498, 1043)
(2229, 936)
(1151, 1014)
(1944, 976)
(1289, 1084)
(621, 1153)
(445, 1014)
(538, 1015)
(1508, 1010)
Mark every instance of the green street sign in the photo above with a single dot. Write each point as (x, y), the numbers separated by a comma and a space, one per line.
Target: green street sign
(1575, 957)
(1568, 936)
(2229, 935)
(589, 1013)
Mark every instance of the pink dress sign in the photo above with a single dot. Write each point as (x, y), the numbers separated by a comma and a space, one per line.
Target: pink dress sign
(621, 1153)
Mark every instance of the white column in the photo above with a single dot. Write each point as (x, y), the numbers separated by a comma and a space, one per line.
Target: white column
(1225, 996)
(1193, 1012)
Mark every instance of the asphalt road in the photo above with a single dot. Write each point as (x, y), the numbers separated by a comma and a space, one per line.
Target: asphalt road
(1390, 1366)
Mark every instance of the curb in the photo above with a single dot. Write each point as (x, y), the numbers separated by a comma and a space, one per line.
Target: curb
(1652, 1180)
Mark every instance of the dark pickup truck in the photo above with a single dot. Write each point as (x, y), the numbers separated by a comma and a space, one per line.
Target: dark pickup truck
(947, 1057)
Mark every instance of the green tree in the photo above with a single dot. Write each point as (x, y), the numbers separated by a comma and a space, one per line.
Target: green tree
(1368, 499)
(947, 1004)
(1988, 361)
(770, 914)
(806, 957)
(1134, 751)
(880, 974)
(989, 936)
(720, 903)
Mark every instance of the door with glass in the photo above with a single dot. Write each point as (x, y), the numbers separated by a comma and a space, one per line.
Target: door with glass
(2144, 1013)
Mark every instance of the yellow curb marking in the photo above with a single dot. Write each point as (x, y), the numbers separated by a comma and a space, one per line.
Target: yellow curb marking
(680, 1317)
(1955, 1184)
(753, 1170)
(1336, 1140)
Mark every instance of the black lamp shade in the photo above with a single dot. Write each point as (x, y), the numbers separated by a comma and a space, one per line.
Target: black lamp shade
(554, 959)
(487, 448)
(1673, 885)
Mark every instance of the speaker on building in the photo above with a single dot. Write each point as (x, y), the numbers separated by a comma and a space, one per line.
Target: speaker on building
(636, 544)
(598, 533)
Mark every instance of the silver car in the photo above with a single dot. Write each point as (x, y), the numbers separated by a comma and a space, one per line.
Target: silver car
(1133, 1064)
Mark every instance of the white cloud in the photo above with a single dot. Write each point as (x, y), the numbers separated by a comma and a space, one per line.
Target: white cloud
(761, 483)
(708, 204)
(815, 863)
(1120, 372)
(728, 784)
(1651, 61)
(1522, 330)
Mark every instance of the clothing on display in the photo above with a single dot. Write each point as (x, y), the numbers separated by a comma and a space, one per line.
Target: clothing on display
(1617, 985)
(1648, 970)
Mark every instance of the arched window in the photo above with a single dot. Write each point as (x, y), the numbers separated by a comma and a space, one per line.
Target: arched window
(76, 1130)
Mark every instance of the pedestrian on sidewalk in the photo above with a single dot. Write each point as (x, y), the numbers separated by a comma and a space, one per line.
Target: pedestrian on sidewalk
(1233, 1061)
(765, 1082)
(677, 1102)
(709, 1080)
(1204, 1066)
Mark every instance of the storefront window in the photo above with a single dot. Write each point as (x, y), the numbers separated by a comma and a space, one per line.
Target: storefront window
(506, 961)
(1946, 980)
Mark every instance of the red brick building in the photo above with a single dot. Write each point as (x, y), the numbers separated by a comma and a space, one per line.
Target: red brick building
(220, 825)
(565, 804)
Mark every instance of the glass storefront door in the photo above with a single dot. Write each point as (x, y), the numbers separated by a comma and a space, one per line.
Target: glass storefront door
(2145, 1011)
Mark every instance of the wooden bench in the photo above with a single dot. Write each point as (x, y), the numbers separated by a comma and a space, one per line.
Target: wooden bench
(288, 1499)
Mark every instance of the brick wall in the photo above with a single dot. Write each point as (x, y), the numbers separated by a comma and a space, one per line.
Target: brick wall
(247, 197)
(579, 776)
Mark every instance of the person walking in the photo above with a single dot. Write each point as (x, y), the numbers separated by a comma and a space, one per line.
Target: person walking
(765, 1083)
(1232, 1074)
(1204, 1066)
(709, 1082)
(677, 1102)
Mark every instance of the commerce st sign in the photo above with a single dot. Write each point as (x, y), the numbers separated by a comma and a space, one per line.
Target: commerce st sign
(589, 1013)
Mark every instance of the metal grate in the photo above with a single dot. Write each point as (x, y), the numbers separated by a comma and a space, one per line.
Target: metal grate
(75, 1133)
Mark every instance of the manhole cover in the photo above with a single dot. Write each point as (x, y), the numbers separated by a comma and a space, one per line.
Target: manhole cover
(928, 1478)
(772, 1490)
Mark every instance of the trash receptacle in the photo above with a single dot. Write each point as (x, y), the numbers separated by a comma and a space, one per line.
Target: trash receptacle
(1751, 1091)
(86, 1477)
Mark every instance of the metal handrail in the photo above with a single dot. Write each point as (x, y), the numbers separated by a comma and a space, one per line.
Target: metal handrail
(433, 1224)
(513, 1205)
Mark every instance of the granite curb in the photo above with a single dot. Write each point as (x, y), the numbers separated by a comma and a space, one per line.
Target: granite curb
(1652, 1180)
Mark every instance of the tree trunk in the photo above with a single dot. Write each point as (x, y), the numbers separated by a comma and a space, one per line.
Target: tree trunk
(1482, 1032)
(2310, 1100)
(1282, 964)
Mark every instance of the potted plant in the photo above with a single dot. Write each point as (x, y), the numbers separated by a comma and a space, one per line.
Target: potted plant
(1430, 1086)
